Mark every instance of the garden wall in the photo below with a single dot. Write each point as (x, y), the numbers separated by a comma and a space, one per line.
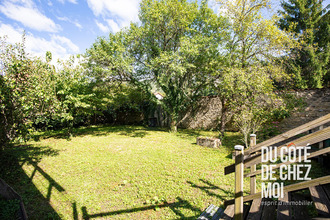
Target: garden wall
(207, 112)
(204, 115)
(317, 105)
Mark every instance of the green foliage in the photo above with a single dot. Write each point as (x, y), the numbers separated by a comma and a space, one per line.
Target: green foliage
(172, 51)
(309, 61)
(109, 59)
(180, 50)
(245, 83)
(78, 99)
(248, 95)
(286, 104)
(26, 92)
(253, 38)
(33, 94)
(290, 104)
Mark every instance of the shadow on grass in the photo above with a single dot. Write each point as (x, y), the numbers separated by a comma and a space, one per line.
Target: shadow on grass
(11, 161)
(174, 206)
(209, 187)
(229, 141)
(52, 183)
(189, 133)
(101, 130)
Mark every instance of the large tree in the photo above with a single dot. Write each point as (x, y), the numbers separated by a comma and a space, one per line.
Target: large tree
(252, 51)
(173, 51)
(27, 91)
(253, 38)
(309, 61)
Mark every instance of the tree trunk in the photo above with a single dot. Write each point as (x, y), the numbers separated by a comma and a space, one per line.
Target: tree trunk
(223, 119)
(174, 127)
(222, 126)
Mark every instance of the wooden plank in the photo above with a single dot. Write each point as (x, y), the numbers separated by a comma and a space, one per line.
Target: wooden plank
(246, 210)
(313, 154)
(253, 188)
(299, 211)
(321, 200)
(239, 206)
(228, 213)
(283, 207)
(310, 139)
(320, 159)
(206, 213)
(269, 211)
(239, 167)
(7, 192)
(23, 211)
(289, 188)
(298, 130)
(326, 188)
(255, 210)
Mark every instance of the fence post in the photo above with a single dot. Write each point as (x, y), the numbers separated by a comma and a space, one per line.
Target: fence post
(239, 170)
(253, 142)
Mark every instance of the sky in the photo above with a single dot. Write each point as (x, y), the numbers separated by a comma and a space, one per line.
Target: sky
(67, 27)
(63, 27)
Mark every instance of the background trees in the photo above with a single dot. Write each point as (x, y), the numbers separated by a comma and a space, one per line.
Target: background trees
(27, 91)
(252, 68)
(180, 49)
(309, 63)
(174, 51)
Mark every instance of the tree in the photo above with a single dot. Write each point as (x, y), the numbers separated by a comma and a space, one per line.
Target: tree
(245, 94)
(323, 39)
(252, 52)
(173, 51)
(309, 61)
(253, 38)
(180, 51)
(26, 92)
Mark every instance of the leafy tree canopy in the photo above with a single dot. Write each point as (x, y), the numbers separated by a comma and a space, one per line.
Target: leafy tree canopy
(309, 61)
(175, 48)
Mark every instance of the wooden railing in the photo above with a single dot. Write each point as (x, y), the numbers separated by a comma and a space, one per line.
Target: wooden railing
(9, 193)
(251, 157)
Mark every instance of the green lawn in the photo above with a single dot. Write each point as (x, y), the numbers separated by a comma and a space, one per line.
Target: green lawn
(119, 172)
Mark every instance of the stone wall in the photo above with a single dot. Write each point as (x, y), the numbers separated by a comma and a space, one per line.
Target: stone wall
(204, 115)
(317, 105)
(207, 112)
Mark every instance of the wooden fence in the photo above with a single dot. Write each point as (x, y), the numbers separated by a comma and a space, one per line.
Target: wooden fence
(9, 194)
(250, 206)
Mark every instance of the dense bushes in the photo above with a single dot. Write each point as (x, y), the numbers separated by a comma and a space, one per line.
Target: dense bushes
(26, 92)
(36, 95)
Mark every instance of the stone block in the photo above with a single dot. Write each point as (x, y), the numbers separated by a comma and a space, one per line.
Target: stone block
(208, 142)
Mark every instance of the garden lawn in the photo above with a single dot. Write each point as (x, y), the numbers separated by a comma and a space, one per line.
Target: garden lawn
(124, 172)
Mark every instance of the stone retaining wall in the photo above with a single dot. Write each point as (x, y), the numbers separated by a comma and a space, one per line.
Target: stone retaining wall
(208, 111)
(205, 115)
(318, 105)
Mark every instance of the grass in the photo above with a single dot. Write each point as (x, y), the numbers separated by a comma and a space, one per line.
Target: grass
(122, 172)
(9, 208)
